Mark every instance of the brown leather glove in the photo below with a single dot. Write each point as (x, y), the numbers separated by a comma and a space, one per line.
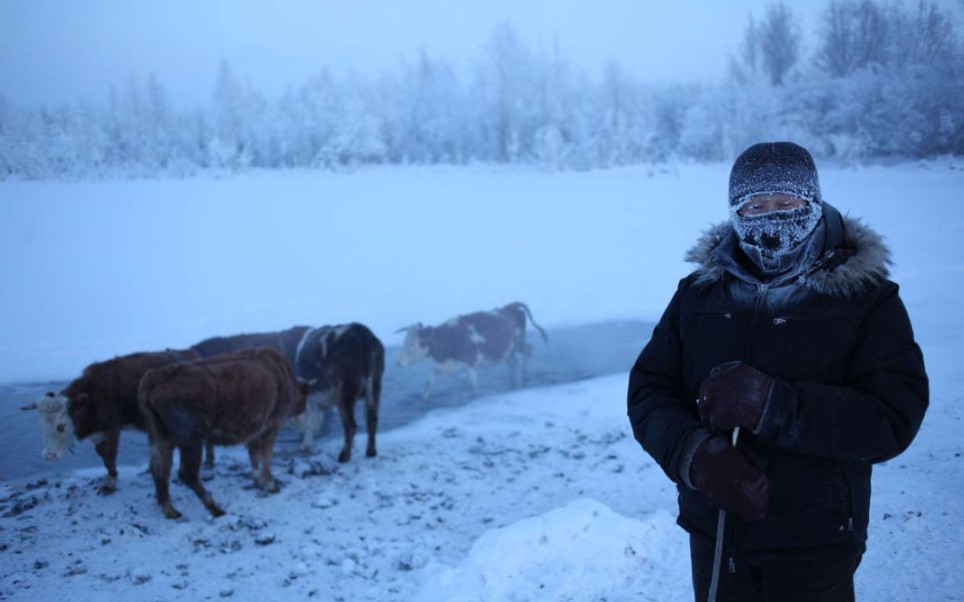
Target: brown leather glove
(734, 395)
(726, 476)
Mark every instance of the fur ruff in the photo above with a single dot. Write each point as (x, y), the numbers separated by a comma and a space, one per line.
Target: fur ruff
(868, 264)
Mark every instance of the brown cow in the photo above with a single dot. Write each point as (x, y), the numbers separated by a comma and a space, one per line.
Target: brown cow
(97, 405)
(229, 399)
(285, 341)
(465, 342)
(342, 364)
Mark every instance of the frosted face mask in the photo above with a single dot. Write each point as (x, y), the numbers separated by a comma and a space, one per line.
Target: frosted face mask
(773, 239)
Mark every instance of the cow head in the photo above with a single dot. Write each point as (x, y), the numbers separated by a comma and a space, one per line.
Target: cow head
(415, 347)
(56, 424)
(301, 399)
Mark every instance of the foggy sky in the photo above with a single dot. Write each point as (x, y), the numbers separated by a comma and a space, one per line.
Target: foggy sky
(61, 52)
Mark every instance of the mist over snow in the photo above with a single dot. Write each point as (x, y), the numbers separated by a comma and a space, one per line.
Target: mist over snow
(103, 41)
(98, 269)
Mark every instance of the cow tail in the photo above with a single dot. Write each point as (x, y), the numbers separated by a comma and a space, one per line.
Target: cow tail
(152, 420)
(545, 337)
(377, 369)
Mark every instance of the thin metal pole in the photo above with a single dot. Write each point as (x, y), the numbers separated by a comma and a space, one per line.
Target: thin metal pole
(718, 553)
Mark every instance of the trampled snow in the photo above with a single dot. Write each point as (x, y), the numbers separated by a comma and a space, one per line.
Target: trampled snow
(489, 501)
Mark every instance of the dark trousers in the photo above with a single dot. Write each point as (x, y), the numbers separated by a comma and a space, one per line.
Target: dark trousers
(829, 579)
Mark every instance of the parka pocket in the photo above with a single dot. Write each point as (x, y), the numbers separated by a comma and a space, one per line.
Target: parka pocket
(717, 313)
(826, 341)
(835, 497)
(699, 321)
(848, 524)
(806, 485)
(781, 319)
(710, 336)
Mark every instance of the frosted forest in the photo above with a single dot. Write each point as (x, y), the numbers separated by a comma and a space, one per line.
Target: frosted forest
(876, 80)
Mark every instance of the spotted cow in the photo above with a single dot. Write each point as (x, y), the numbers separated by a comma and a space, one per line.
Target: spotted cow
(341, 364)
(466, 342)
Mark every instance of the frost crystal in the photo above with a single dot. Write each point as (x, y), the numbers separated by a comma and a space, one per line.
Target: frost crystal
(777, 235)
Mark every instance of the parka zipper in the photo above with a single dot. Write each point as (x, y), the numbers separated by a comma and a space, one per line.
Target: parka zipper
(761, 294)
(781, 320)
(719, 313)
(849, 526)
(731, 559)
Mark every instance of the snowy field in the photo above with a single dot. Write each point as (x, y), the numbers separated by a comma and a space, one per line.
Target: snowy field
(535, 494)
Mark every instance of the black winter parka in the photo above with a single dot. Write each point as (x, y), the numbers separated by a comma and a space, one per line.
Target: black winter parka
(850, 387)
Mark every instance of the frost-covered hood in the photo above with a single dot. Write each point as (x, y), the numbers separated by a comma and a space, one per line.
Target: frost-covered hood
(854, 256)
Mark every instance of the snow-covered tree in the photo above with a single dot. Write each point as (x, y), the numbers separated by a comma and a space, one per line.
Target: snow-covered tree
(854, 36)
(778, 36)
(430, 119)
(230, 128)
(886, 78)
(504, 83)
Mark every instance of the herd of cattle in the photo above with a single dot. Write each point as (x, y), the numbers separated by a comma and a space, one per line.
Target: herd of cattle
(242, 389)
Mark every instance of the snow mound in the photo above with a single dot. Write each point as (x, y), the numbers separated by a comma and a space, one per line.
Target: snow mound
(581, 551)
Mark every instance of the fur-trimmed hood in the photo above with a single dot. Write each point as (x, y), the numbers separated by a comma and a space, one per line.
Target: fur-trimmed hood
(854, 257)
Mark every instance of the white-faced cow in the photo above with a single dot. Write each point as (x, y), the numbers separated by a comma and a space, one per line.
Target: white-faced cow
(97, 405)
(341, 364)
(466, 342)
(229, 399)
(285, 341)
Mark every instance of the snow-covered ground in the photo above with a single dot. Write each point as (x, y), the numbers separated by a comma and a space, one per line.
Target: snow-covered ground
(404, 523)
(536, 494)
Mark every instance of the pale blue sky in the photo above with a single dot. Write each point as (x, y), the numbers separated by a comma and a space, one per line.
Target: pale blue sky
(55, 51)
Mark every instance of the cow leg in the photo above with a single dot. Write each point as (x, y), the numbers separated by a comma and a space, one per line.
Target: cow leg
(473, 380)
(190, 472)
(373, 394)
(254, 457)
(431, 381)
(314, 416)
(209, 454)
(267, 449)
(347, 394)
(513, 365)
(162, 453)
(107, 450)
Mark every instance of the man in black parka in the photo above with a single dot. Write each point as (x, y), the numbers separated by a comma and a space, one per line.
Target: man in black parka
(790, 331)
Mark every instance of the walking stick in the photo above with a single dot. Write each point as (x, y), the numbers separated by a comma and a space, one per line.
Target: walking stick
(718, 553)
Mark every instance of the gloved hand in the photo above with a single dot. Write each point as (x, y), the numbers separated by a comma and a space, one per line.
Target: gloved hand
(726, 476)
(734, 395)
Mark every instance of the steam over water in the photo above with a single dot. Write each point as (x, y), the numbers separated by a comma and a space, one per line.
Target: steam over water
(573, 353)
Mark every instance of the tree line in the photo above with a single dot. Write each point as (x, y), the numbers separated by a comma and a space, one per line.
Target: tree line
(877, 79)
